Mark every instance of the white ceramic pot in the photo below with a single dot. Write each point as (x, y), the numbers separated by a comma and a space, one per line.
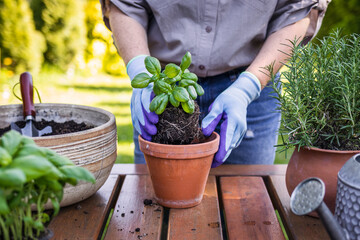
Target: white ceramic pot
(93, 149)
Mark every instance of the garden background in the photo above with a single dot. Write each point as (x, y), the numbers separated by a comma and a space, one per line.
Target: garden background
(68, 50)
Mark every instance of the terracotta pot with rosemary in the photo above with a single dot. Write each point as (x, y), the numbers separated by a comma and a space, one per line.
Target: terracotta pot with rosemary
(179, 157)
(320, 108)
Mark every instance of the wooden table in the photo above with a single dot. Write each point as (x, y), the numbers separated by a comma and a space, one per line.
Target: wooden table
(240, 202)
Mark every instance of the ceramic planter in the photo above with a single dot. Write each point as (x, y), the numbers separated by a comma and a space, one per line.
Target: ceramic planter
(315, 162)
(93, 149)
(179, 172)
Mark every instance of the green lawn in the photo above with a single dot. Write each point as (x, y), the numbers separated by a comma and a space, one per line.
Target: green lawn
(103, 91)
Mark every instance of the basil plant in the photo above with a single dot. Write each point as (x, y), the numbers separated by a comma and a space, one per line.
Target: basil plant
(30, 176)
(175, 84)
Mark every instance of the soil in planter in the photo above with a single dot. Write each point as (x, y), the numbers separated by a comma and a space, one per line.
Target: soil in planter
(57, 128)
(178, 127)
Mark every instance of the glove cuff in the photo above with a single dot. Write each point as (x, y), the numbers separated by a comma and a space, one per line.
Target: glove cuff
(135, 66)
(253, 77)
(250, 84)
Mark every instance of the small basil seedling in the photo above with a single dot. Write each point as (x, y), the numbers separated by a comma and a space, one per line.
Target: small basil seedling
(175, 84)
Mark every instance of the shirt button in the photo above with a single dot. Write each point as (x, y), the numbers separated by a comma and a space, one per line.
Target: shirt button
(201, 67)
(208, 29)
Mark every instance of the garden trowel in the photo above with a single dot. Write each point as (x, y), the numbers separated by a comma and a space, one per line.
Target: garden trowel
(26, 86)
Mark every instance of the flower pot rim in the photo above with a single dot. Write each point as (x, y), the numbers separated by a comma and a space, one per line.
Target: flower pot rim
(328, 150)
(69, 105)
(186, 151)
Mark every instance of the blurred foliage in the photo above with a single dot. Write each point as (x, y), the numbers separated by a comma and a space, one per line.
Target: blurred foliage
(62, 22)
(341, 14)
(77, 39)
(100, 50)
(21, 46)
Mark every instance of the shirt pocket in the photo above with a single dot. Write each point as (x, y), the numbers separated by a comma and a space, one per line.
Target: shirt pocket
(175, 20)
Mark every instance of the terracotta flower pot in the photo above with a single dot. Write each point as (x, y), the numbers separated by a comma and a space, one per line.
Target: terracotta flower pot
(315, 162)
(179, 172)
(93, 149)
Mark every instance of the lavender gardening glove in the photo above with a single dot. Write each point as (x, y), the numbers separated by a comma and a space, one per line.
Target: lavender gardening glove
(230, 106)
(143, 120)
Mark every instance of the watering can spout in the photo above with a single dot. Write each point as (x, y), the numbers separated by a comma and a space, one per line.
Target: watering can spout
(307, 197)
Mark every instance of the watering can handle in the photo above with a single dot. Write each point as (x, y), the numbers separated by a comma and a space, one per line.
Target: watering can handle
(26, 86)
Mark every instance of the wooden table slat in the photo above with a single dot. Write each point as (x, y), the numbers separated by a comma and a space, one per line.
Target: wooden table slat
(249, 213)
(132, 219)
(200, 222)
(249, 170)
(84, 219)
(298, 227)
(248, 209)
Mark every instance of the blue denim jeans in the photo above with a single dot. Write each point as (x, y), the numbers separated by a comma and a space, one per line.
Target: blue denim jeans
(263, 121)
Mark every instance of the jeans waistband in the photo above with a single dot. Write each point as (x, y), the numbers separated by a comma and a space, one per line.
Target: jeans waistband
(232, 75)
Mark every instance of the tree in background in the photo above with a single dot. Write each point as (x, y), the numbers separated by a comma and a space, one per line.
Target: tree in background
(62, 23)
(21, 45)
(100, 53)
(341, 14)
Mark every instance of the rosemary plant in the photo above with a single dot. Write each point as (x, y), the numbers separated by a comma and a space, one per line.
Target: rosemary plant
(320, 101)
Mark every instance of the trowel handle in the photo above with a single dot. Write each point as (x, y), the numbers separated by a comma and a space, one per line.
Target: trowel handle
(26, 86)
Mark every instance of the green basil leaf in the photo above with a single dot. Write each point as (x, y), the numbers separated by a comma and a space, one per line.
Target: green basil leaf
(178, 77)
(173, 101)
(38, 225)
(152, 65)
(57, 159)
(77, 173)
(30, 150)
(141, 80)
(190, 76)
(170, 80)
(27, 141)
(156, 89)
(165, 87)
(4, 208)
(11, 141)
(50, 184)
(12, 177)
(188, 106)
(56, 205)
(154, 78)
(185, 61)
(192, 92)
(45, 217)
(155, 103)
(171, 70)
(186, 82)
(5, 158)
(181, 94)
(199, 89)
(15, 200)
(33, 166)
(29, 220)
(163, 104)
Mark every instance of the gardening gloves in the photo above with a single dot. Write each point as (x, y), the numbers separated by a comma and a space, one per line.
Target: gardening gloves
(143, 120)
(230, 107)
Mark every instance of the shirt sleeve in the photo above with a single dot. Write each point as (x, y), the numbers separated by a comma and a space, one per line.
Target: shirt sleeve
(288, 12)
(138, 10)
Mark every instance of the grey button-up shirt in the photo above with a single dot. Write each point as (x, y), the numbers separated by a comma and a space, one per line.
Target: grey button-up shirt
(221, 35)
